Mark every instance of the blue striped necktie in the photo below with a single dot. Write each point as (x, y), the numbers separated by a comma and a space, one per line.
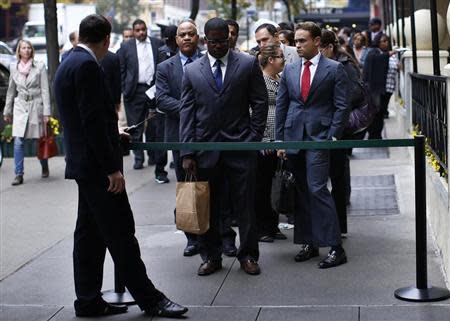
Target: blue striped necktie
(218, 74)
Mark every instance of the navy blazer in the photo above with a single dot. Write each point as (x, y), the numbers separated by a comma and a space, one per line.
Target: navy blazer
(129, 65)
(169, 77)
(88, 116)
(325, 112)
(211, 115)
(111, 67)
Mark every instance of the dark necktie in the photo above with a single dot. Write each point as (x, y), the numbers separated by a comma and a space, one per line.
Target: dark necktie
(306, 81)
(188, 61)
(218, 74)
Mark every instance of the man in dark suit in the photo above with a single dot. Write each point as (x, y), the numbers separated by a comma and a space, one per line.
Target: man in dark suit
(312, 106)
(218, 90)
(138, 60)
(170, 49)
(93, 159)
(111, 68)
(169, 76)
(375, 32)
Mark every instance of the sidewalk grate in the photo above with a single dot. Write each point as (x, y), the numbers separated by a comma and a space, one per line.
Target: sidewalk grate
(370, 153)
(373, 195)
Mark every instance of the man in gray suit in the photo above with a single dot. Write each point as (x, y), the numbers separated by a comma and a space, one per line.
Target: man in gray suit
(169, 76)
(312, 106)
(267, 33)
(218, 90)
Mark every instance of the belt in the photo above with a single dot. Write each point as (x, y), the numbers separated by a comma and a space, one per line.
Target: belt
(27, 97)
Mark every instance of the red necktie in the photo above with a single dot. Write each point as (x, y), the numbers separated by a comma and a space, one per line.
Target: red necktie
(306, 81)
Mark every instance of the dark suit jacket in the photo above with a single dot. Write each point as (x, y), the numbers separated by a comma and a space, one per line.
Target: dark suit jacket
(91, 136)
(325, 112)
(210, 115)
(111, 67)
(165, 53)
(129, 65)
(169, 77)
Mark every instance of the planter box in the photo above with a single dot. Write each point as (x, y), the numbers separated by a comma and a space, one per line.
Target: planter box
(30, 147)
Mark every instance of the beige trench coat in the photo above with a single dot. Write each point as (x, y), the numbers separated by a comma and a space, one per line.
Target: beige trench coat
(27, 101)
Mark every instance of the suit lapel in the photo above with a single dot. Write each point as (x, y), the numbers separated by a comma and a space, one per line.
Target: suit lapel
(321, 73)
(297, 74)
(134, 54)
(33, 73)
(155, 46)
(232, 66)
(177, 70)
(207, 72)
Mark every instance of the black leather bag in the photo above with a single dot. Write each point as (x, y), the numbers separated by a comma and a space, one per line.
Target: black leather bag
(284, 192)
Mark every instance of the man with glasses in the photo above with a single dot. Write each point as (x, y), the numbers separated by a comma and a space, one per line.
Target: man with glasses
(218, 90)
(169, 76)
(312, 105)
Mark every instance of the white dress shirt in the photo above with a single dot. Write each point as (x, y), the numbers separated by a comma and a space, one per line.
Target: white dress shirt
(145, 60)
(312, 68)
(224, 61)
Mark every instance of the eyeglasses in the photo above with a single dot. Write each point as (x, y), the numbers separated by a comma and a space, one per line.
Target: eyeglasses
(217, 41)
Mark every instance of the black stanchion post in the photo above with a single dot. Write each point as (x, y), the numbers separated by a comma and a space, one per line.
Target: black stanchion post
(119, 295)
(421, 292)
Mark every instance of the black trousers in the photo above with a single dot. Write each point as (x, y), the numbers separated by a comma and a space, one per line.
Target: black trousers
(376, 128)
(239, 168)
(266, 217)
(228, 214)
(181, 175)
(105, 221)
(136, 109)
(340, 182)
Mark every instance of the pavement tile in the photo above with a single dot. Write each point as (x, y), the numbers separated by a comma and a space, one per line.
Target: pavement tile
(309, 314)
(27, 313)
(406, 313)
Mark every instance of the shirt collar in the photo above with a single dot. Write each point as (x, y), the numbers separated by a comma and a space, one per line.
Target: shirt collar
(147, 40)
(184, 58)
(224, 59)
(82, 45)
(314, 60)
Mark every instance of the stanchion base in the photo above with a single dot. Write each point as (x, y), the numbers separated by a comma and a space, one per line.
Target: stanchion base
(422, 295)
(113, 297)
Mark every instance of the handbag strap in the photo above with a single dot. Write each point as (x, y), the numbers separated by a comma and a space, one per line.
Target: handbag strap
(190, 178)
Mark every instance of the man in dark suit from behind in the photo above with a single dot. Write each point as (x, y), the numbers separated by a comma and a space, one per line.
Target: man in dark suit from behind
(317, 110)
(138, 60)
(94, 161)
(170, 49)
(218, 90)
(111, 68)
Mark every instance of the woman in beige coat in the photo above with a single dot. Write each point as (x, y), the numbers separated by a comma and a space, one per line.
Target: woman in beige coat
(27, 104)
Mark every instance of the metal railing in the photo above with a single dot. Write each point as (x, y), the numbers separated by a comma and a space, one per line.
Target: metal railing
(429, 114)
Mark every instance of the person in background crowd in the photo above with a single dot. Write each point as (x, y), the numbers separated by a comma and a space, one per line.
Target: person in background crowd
(127, 34)
(271, 59)
(379, 74)
(286, 37)
(286, 26)
(111, 67)
(374, 32)
(234, 33)
(317, 110)
(169, 76)
(267, 33)
(170, 48)
(219, 90)
(73, 38)
(360, 48)
(138, 60)
(27, 105)
(94, 160)
(339, 162)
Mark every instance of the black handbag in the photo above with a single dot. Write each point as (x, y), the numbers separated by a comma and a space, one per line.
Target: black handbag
(284, 191)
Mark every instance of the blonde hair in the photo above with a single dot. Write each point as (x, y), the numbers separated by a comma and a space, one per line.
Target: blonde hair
(18, 48)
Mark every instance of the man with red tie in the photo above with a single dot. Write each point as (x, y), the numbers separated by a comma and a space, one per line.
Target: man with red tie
(312, 106)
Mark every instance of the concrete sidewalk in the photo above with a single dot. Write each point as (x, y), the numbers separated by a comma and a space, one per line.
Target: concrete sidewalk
(37, 221)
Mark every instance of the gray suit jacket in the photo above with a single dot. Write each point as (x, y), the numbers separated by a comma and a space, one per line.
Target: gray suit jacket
(211, 115)
(129, 65)
(325, 112)
(290, 54)
(169, 77)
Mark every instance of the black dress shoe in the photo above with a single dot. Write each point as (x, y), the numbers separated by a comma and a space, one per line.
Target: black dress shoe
(229, 250)
(209, 267)
(279, 236)
(190, 250)
(334, 258)
(266, 239)
(101, 309)
(306, 252)
(167, 308)
(18, 180)
(138, 165)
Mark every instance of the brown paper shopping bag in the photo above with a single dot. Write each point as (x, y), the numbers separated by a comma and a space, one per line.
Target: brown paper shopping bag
(192, 207)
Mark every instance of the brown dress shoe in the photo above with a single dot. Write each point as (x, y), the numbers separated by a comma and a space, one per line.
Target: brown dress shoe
(250, 267)
(209, 267)
(45, 173)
